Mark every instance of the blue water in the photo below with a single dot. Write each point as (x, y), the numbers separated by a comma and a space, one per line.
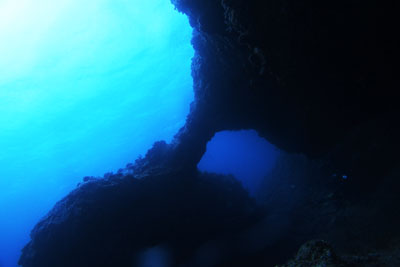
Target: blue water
(243, 154)
(85, 87)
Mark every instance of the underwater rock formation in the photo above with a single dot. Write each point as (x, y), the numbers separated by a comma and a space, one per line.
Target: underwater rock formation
(300, 73)
(321, 253)
(311, 78)
(109, 221)
(315, 253)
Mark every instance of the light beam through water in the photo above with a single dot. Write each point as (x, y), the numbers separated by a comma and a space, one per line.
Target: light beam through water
(85, 87)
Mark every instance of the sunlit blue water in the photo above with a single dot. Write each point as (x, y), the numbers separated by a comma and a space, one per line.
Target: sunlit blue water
(85, 87)
(243, 154)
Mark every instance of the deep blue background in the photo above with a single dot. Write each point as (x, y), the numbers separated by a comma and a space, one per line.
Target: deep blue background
(243, 154)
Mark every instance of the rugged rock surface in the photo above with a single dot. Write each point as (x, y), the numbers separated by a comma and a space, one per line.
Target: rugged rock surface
(301, 73)
(109, 221)
(320, 253)
(311, 77)
(315, 253)
(306, 199)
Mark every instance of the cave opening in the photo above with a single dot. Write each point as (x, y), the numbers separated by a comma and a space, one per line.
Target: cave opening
(85, 87)
(243, 154)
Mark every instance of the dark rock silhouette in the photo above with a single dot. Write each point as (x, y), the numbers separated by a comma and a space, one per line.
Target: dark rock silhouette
(108, 221)
(321, 253)
(315, 78)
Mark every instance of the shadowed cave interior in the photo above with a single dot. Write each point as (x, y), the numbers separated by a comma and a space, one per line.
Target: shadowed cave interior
(315, 80)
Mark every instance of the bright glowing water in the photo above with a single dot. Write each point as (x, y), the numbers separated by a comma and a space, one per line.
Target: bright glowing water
(85, 87)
